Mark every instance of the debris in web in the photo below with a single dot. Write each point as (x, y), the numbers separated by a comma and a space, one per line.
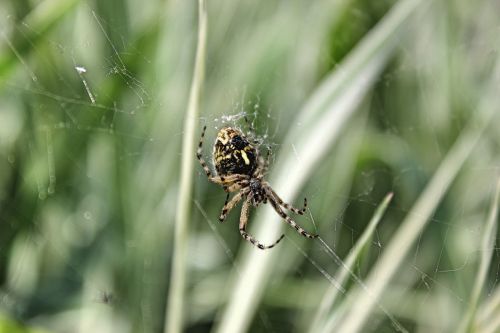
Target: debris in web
(81, 70)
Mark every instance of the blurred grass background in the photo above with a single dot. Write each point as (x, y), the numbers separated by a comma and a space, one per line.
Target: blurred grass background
(90, 161)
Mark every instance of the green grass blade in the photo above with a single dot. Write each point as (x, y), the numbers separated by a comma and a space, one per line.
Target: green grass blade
(318, 125)
(342, 275)
(487, 247)
(487, 314)
(176, 296)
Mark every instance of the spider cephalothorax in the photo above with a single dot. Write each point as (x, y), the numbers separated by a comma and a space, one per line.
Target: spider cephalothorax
(257, 191)
(240, 168)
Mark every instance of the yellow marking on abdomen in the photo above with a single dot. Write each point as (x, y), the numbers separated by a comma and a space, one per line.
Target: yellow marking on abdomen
(223, 137)
(245, 157)
(223, 157)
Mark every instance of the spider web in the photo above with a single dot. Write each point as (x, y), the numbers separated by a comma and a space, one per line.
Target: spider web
(102, 239)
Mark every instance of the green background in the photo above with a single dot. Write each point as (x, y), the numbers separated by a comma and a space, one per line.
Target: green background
(90, 161)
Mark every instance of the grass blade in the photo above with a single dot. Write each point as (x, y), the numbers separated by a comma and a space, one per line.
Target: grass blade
(175, 304)
(487, 315)
(342, 275)
(487, 247)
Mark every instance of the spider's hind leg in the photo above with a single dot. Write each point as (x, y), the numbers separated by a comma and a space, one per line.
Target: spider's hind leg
(295, 210)
(246, 236)
(290, 221)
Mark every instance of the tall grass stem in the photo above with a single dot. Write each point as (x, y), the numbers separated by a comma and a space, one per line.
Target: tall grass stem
(176, 295)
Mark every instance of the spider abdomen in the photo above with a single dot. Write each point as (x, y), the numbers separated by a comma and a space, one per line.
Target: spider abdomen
(233, 153)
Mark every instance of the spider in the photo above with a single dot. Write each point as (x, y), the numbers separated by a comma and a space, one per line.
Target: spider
(240, 168)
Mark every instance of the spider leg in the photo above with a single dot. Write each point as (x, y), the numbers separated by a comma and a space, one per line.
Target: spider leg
(227, 197)
(280, 202)
(199, 154)
(246, 236)
(228, 205)
(289, 220)
(263, 165)
(236, 186)
(228, 181)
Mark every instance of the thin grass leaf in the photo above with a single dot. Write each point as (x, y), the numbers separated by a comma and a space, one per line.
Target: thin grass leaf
(487, 314)
(421, 212)
(332, 293)
(176, 296)
(487, 247)
(319, 123)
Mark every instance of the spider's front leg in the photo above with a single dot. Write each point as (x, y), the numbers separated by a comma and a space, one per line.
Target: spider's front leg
(199, 154)
(230, 205)
(229, 182)
(236, 186)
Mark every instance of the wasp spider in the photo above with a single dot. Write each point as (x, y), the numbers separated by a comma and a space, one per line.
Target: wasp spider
(241, 169)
